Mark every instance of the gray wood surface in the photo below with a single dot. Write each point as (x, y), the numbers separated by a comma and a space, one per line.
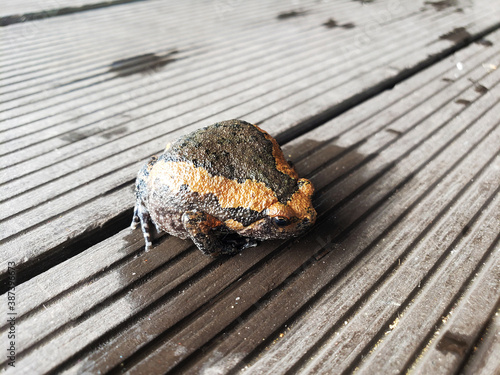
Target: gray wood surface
(485, 360)
(23, 11)
(97, 150)
(391, 111)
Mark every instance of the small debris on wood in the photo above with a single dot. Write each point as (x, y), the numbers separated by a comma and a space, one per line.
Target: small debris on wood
(291, 14)
(348, 25)
(484, 42)
(457, 35)
(463, 101)
(331, 23)
(478, 87)
(440, 5)
(452, 343)
(141, 64)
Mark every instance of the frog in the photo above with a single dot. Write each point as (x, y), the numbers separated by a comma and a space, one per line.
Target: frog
(227, 187)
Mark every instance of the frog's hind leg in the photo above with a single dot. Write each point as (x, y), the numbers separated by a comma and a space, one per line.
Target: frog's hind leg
(211, 236)
(141, 215)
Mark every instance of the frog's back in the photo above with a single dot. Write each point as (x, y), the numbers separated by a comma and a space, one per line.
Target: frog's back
(238, 151)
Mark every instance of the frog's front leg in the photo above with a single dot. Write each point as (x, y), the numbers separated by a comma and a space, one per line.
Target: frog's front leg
(141, 214)
(210, 235)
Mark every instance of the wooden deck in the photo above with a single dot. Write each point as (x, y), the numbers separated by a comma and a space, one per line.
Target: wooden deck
(390, 108)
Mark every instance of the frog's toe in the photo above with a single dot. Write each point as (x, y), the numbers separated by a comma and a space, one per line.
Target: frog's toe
(141, 215)
(250, 242)
(211, 236)
(236, 243)
(135, 219)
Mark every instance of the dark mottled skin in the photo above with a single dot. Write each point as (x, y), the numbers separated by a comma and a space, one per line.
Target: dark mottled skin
(238, 151)
(232, 149)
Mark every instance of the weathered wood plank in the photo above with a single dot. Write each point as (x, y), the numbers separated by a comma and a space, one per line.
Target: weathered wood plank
(407, 196)
(33, 166)
(32, 179)
(98, 287)
(130, 348)
(300, 346)
(350, 289)
(35, 217)
(465, 321)
(286, 57)
(485, 360)
(98, 184)
(320, 34)
(271, 273)
(328, 306)
(320, 100)
(436, 295)
(173, 18)
(27, 10)
(72, 338)
(70, 274)
(97, 63)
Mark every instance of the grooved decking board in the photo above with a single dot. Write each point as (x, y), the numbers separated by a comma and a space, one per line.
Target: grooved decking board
(404, 254)
(484, 360)
(323, 312)
(81, 114)
(23, 10)
(463, 325)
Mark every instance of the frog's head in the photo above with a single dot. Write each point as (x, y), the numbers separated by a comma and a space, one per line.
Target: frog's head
(285, 220)
(296, 215)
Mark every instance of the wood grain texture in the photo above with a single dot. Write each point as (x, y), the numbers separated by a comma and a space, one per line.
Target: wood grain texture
(391, 111)
(27, 10)
(484, 360)
(466, 320)
(82, 159)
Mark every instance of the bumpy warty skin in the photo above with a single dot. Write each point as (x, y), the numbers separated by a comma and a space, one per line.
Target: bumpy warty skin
(236, 176)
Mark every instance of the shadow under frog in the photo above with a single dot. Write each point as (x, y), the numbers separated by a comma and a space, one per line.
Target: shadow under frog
(309, 157)
(175, 266)
(326, 164)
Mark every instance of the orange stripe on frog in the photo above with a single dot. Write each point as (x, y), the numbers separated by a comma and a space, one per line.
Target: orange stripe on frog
(231, 194)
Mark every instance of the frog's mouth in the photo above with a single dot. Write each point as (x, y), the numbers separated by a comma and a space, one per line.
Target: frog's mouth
(276, 228)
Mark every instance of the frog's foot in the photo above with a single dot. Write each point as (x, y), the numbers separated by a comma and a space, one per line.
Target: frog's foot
(135, 218)
(210, 235)
(234, 240)
(141, 215)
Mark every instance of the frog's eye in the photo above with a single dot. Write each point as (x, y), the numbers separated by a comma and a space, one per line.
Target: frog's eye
(280, 221)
